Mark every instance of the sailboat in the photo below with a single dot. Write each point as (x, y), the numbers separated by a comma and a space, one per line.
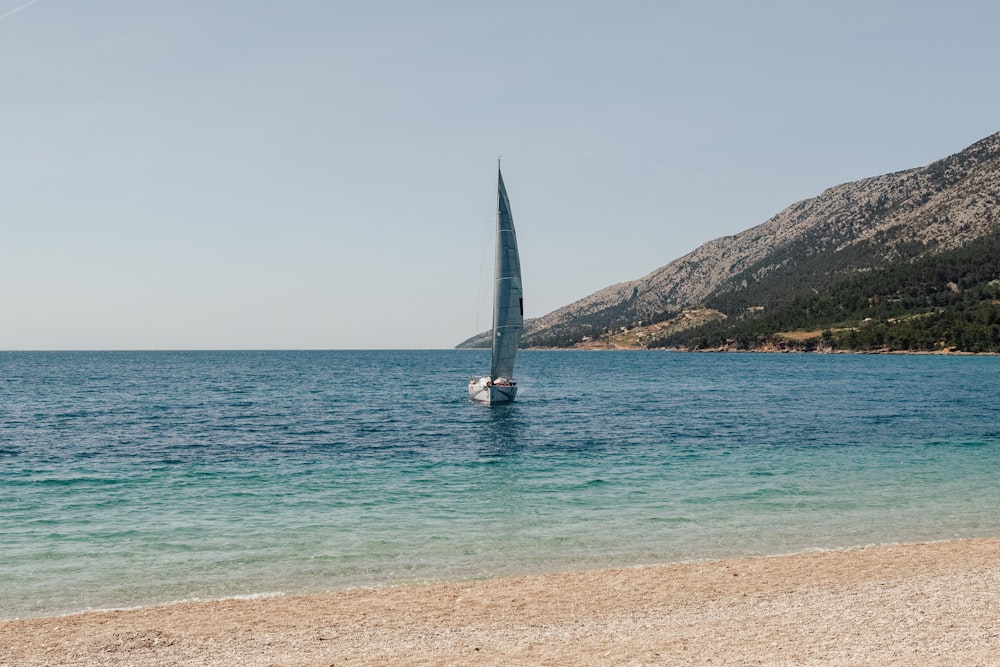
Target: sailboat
(508, 310)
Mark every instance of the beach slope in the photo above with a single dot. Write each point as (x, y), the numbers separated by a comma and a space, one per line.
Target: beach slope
(927, 604)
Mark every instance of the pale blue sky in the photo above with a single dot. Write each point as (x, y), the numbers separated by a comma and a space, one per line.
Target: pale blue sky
(313, 174)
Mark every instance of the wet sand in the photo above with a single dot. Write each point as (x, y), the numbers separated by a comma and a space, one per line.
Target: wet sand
(923, 604)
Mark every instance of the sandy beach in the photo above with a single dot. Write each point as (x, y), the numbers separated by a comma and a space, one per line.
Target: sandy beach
(922, 604)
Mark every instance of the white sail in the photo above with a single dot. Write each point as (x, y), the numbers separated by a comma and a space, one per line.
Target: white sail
(508, 311)
(508, 303)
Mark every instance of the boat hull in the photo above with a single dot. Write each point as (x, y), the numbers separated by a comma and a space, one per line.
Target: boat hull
(484, 390)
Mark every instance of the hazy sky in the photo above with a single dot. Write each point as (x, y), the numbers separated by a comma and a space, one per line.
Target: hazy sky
(320, 174)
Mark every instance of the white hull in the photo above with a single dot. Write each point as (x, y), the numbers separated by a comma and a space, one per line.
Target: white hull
(483, 390)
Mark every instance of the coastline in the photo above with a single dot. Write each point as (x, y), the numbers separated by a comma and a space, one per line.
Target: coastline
(932, 604)
(765, 350)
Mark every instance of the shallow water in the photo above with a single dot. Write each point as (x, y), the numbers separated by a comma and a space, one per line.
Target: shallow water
(128, 478)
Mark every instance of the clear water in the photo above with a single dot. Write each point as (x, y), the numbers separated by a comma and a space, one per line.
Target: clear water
(129, 478)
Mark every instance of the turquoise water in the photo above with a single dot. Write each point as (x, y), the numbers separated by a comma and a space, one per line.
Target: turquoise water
(129, 478)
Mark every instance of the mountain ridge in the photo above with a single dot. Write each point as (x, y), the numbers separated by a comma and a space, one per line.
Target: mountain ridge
(855, 227)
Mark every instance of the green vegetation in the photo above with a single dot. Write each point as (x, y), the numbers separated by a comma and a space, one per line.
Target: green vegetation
(944, 301)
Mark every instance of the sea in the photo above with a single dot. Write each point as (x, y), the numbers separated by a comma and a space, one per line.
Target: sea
(138, 478)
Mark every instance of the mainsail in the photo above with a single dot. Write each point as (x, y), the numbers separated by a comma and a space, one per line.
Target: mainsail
(508, 304)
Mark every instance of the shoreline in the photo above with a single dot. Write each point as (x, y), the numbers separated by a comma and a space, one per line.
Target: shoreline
(761, 350)
(930, 603)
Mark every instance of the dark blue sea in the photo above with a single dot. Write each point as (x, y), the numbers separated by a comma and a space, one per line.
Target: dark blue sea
(133, 478)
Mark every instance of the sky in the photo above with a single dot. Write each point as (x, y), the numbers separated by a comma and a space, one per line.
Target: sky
(316, 174)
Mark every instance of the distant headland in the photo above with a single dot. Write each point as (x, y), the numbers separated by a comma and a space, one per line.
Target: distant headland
(904, 262)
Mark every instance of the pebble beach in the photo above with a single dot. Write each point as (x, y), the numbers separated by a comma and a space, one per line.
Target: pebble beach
(930, 604)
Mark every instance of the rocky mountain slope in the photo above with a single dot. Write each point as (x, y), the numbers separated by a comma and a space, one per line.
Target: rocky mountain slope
(848, 229)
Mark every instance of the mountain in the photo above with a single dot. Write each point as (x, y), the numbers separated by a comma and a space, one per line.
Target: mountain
(879, 233)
